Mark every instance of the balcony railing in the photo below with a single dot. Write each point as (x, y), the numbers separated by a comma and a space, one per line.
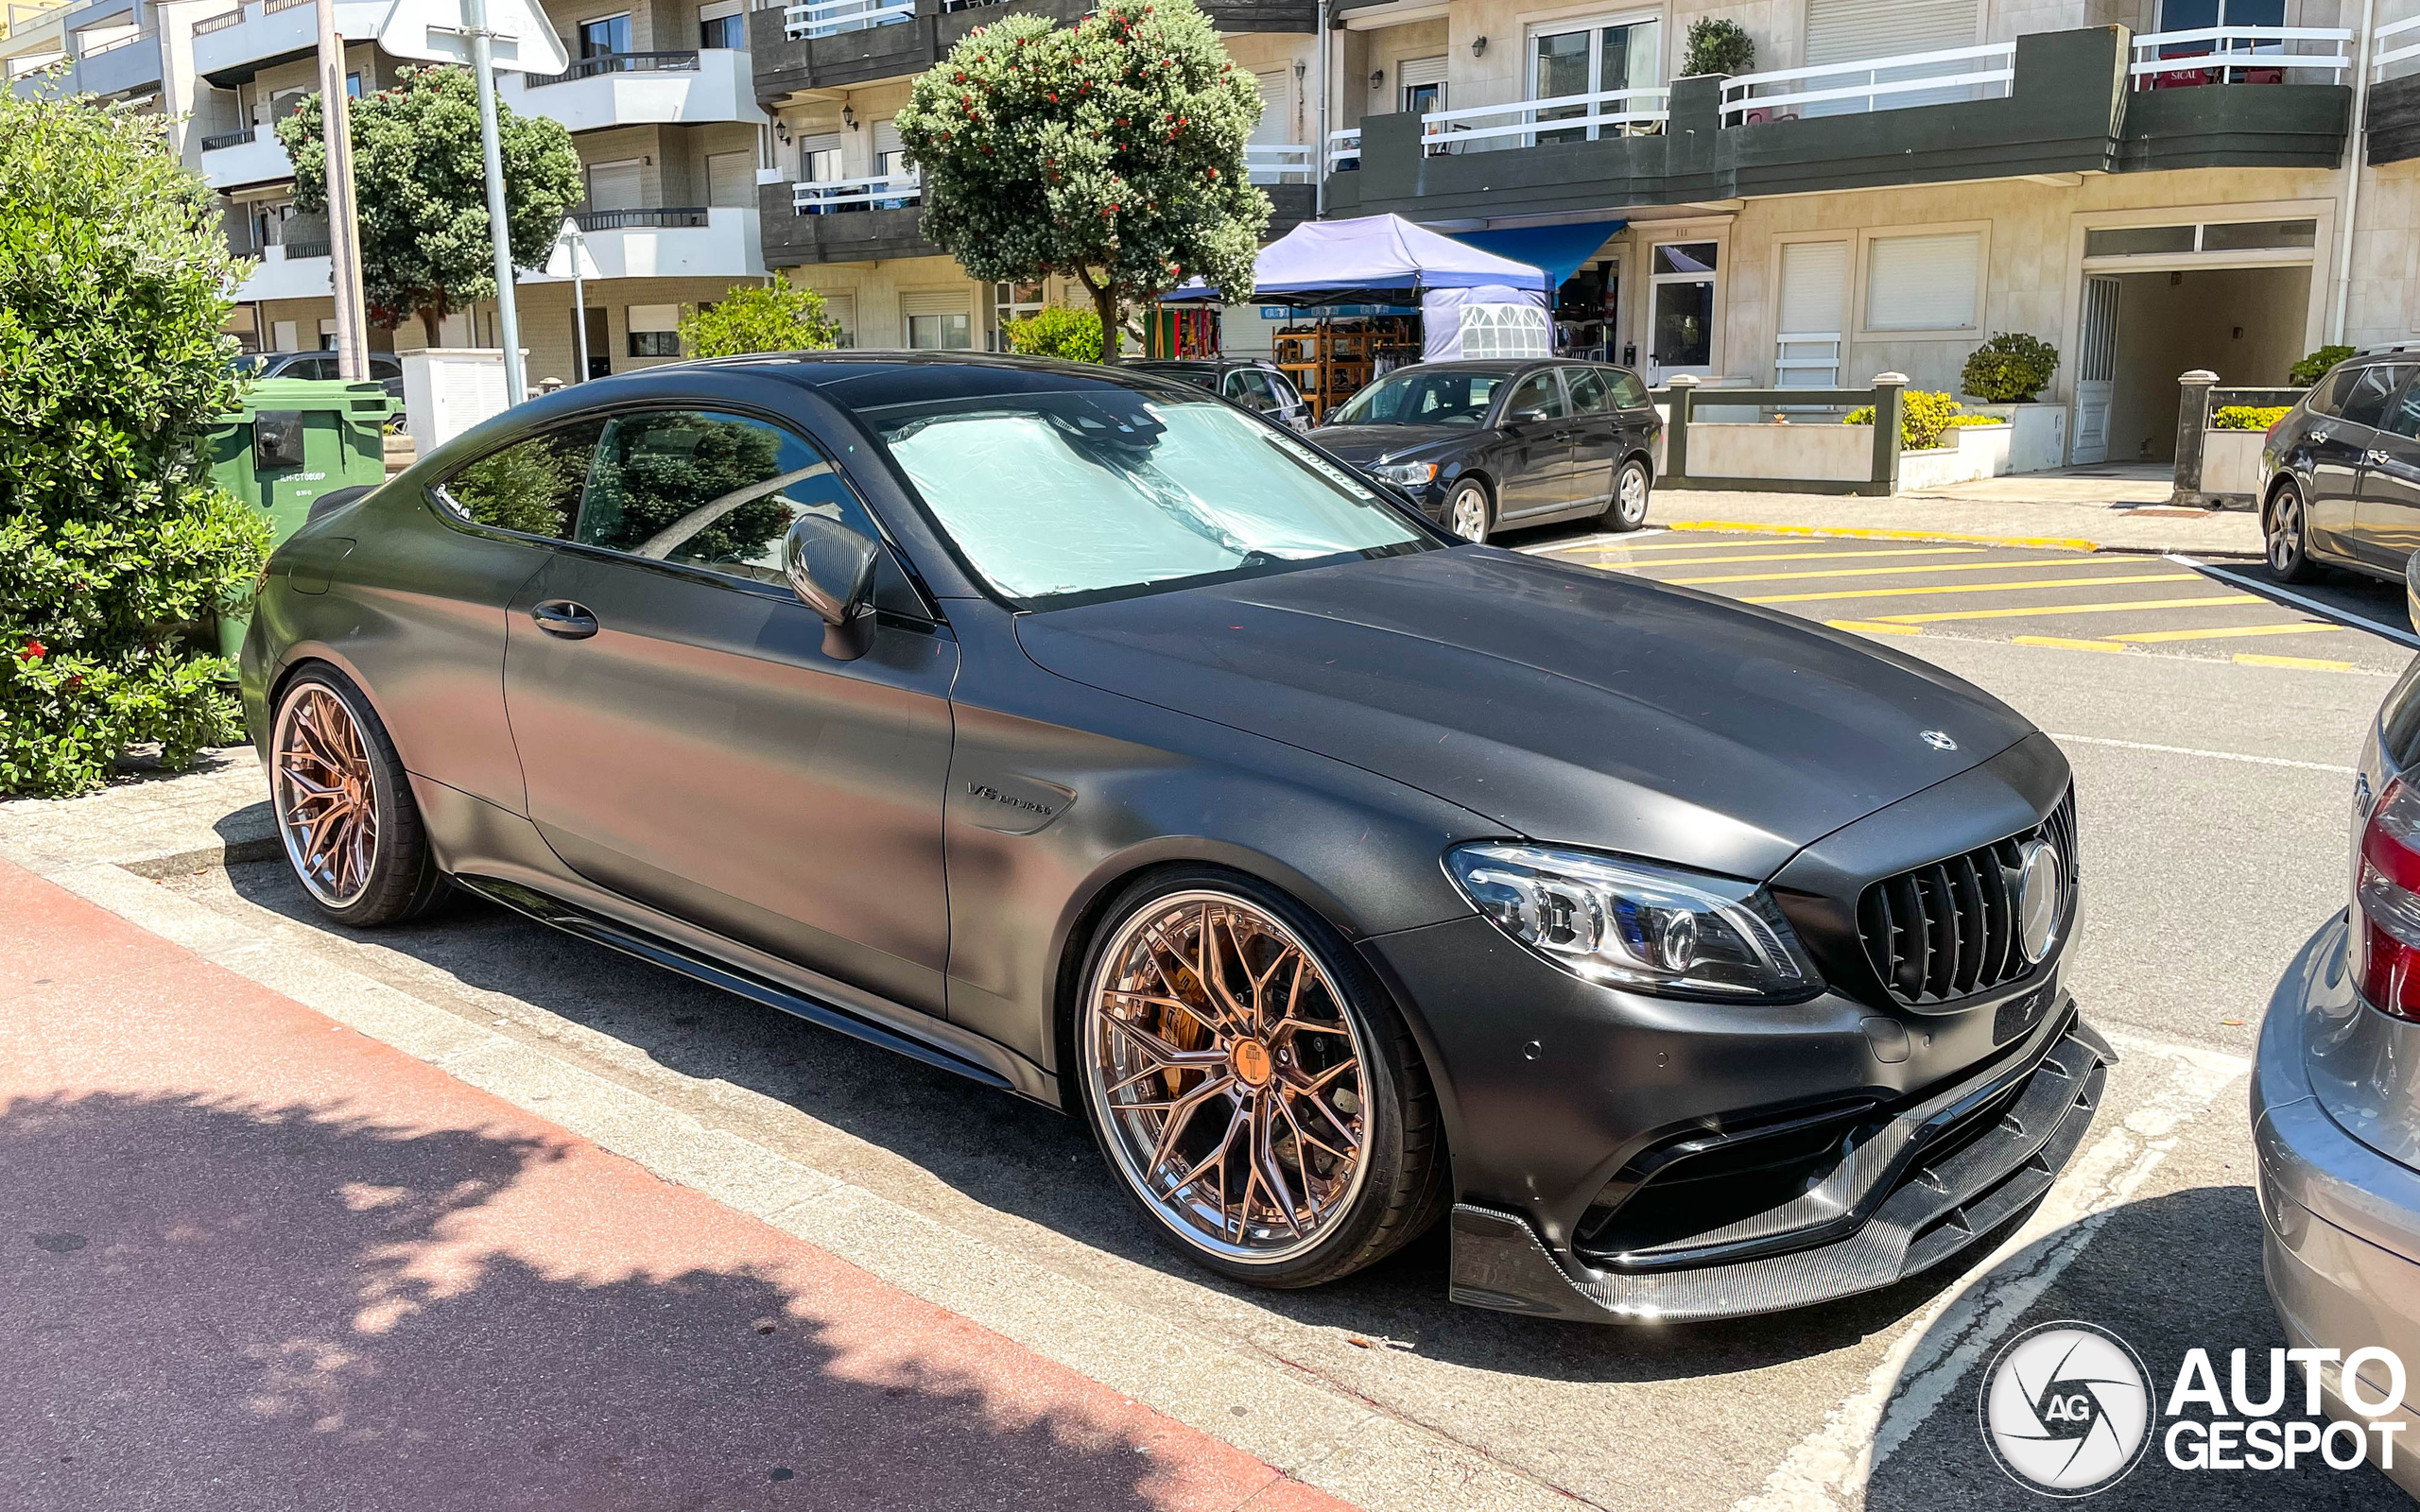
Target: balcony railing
(1872, 84)
(663, 216)
(227, 139)
(218, 23)
(1278, 162)
(116, 42)
(1345, 150)
(2238, 55)
(829, 18)
(2392, 49)
(891, 191)
(295, 252)
(679, 62)
(1557, 118)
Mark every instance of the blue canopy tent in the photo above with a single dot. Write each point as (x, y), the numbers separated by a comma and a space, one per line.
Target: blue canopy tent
(1557, 251)
(1371, 260)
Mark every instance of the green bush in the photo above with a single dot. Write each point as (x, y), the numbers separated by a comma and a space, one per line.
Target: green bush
(1717, 45)
(2248, 417)
(1057, 330)
(1955, 421)
(766, 318)
(2010, 369)
(2314, 366)
(1923, 415)
(116, 553)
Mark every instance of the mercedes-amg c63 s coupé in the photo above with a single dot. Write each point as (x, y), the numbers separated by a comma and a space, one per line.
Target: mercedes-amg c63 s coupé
(1100, 740)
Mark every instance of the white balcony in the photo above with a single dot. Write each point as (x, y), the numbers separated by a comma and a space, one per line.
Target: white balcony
(829, 18)
(279, 277)
(1872, 84)
(675, 243)
(2240, 54)
(274, 28)
(1278, 162)
(894, 190)
(240, 157)
(1556, 118)
(1345, 150)
(641, 89)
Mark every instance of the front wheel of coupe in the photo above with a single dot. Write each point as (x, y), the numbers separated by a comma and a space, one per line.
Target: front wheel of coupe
(345, 813)
(1256, 1095)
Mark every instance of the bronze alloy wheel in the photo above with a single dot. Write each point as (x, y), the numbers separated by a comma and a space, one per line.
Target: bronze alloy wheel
(1227, 1074)
(326, 795)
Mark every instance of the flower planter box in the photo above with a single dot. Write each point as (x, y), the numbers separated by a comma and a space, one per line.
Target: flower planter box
(2041, 439)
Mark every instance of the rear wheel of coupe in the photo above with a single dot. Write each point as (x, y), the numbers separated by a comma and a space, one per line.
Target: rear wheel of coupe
(344, 808)
(1258, 1096)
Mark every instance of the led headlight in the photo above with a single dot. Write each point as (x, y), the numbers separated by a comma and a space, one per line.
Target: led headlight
(1629, 924)
(1404, 474)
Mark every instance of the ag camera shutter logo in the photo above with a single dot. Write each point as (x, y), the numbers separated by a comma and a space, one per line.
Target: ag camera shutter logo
(2066, 1409)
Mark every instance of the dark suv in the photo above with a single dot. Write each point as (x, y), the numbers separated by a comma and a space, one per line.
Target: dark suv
(2340, 474)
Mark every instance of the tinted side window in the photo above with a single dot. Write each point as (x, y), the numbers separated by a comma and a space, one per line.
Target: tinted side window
(1537, 392)
(384, 366)
(1628, 392)
(2324, 394)
(1252, 390)
(1588, 391)
(2403, 416)
(531, 486)
(1287, 397)
(710, 490)
(2364, 401)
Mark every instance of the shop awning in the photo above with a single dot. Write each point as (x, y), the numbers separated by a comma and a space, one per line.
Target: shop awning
(1558, 249)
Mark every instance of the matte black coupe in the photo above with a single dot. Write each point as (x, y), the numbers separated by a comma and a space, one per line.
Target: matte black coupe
(1484, 445)
(1086, 736)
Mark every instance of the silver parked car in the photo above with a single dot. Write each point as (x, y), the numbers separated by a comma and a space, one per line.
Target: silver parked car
(2336, 1096)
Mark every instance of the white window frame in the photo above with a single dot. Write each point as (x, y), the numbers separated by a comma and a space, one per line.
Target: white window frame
(1848, 306)
(1655, 371)
(1594, 20)
(1861, 281)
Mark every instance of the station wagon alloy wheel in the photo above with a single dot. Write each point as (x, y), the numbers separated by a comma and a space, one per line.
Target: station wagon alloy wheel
(1466, 513)
(1227, 1075)
(327, 799)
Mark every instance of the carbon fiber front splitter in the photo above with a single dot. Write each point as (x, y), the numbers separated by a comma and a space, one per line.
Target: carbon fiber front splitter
(1938, 1209)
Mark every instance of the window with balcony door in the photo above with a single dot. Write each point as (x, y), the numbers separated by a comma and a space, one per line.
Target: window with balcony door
(1681, 307)
(1594, 58)
(723, 24)
(1423, 84)
(605, 35)
(2200, 15)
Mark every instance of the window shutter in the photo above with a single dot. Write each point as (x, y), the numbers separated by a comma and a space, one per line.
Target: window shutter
(615, 186)
(1273, 127)
(1814, 315)
(1416, 71)
(934, 302)
(653, 318)
(1922, 283)
(843, 309)
(719, 8)
(1843, 32)
(731, 179)
(886, 137)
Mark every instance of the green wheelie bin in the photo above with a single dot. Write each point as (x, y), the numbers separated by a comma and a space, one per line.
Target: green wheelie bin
(290, 441)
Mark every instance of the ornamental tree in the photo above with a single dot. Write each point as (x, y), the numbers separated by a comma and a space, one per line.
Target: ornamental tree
(117, 555)
(1109, 152)
(769, 318)
(420, 184)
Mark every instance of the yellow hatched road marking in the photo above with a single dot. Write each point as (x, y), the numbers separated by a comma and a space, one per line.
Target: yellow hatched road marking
(1879, 572)
(2073, 609)
(2231, 632)
(1985, 587)
(1681, 546)
(2064, 643)
(1781, 556)
(1870, 627)
(1747, 528)
(2308, 663)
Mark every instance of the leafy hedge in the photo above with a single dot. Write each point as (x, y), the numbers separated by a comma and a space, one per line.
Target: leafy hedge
(766, 318)
(1057, 331)
(1924, 415)
(116, 553)
(2247, 417)
(2314, 366)
(2010, 369)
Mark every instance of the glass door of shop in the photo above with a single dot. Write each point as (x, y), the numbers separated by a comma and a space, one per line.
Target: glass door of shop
(1681, 309)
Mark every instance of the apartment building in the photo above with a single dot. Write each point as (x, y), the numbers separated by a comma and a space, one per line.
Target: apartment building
(2150, 185)
(841, 207)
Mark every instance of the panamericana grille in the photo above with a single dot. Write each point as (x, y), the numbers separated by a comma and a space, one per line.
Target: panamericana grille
(1939, 932)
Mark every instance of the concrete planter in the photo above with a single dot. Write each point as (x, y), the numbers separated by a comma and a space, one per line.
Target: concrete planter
(2040, 442)
(1970, 452)
(1816, 452)
(2231, 465)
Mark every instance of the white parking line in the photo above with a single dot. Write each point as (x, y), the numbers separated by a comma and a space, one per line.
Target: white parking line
(1828, 1469)
(2190, 750)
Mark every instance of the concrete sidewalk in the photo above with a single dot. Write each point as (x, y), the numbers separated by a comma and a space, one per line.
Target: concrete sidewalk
(255, 1259)
(2087, 510)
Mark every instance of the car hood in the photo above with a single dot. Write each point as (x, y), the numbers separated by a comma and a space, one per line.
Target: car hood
(1375, 443)
(1560, 703)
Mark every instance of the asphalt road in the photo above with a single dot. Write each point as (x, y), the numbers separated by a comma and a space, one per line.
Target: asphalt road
(2213, 769)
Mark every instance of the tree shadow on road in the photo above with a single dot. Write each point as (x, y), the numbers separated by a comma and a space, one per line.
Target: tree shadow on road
(1021, 1159)
(217, 1304)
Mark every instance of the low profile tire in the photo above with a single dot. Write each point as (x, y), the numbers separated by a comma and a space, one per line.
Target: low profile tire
(345, 813)
(1469, 512)
(1252, 1088)
(1632, 489)
(2285, 532)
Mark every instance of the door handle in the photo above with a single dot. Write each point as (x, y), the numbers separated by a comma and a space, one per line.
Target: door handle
(560, 616)
(2377, 457)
